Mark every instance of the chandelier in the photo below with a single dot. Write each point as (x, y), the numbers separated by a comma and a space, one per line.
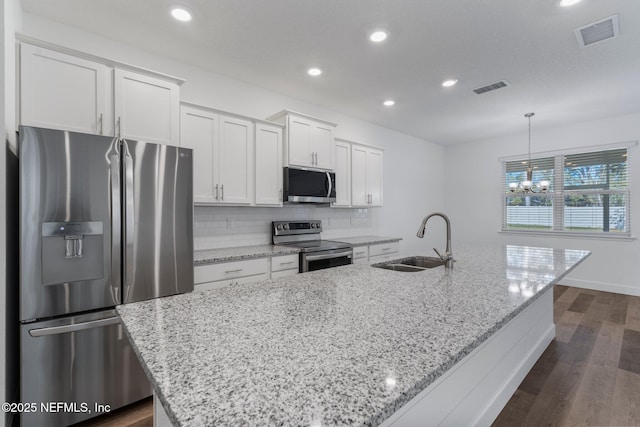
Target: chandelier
(528, 186)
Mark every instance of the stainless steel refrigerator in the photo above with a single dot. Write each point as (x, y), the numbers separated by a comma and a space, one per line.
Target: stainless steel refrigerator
(103, 221)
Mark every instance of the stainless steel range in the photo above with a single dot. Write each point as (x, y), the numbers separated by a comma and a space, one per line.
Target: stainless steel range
(315, 253)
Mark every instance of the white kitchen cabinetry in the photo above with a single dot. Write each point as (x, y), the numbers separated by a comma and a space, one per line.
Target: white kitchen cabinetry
(361, 254)
(383, 251)
(366, 176)
(70, 90)
(223, 152)
(61, 91)
(309, 142)
(235, 160)
(198, 131)
(146, 108)
(284, 265)
(268, 153)
(342, 163)
(214, 276)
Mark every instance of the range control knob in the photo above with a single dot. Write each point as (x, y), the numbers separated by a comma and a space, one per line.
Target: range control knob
(317, 225)
(313, 225)
(286, 226)
(279, 227)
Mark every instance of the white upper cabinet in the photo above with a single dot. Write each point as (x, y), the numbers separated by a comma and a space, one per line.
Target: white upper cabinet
(268, 164)
(74, 91)
(61, 91)
(146, 108)
(199, 131)
(366, 176)
(223, 152)
(342, 163)
(235, 160)
(309, 142)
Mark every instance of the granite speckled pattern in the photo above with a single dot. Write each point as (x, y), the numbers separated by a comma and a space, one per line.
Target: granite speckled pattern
(212, 256)
(366, 240)
(343, 346)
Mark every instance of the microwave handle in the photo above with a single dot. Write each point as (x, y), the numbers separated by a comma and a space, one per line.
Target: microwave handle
(330, 184)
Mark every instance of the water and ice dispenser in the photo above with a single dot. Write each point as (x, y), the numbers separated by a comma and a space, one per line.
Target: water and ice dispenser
(72, 252)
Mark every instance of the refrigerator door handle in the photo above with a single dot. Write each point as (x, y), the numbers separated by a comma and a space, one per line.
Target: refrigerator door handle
(129, 218)
(65, 329)
(116, 228)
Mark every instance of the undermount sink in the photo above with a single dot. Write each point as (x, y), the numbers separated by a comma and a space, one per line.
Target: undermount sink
(411, 264)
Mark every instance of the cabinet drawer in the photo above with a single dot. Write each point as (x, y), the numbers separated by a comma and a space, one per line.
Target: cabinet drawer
(229, 282)
(283, 273)
(230, 270)
(284, 262)
(360, 252)
(383, 248)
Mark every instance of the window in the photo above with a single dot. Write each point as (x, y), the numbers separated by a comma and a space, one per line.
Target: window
(588, 193)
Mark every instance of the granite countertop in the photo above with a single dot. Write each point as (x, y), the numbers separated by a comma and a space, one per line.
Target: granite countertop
(365, 240)
(342, 346)
(211, 256)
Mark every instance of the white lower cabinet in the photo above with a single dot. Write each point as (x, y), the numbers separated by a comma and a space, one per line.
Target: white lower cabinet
(383, 251)
(284, 265)
(361, 254)
(214, 276)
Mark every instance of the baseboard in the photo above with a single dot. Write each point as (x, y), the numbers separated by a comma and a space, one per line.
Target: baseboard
(601, 286)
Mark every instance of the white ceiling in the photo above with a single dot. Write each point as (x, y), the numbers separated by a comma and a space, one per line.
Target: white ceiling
(271, 43)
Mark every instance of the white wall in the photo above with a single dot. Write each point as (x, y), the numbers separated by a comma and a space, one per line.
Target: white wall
(410, 164)
(473, 198)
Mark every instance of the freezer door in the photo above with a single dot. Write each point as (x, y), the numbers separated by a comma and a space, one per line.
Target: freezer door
(158, 220)
(66, 222)
(80, 361)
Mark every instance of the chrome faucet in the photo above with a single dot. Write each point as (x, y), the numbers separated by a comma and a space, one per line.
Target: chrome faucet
(447, 256)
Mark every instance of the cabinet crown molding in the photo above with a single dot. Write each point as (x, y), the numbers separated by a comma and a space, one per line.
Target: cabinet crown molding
(23, 38)
(285, 112)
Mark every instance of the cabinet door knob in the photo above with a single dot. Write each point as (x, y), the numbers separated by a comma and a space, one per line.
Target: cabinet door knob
(119, 127)
(100, 121)
(222, 192)
(217, 189)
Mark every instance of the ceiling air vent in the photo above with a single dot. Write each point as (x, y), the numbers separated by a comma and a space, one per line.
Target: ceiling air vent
(596, 32)
(492, 86)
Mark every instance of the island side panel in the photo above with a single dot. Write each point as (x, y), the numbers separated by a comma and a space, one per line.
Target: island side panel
(474, 390)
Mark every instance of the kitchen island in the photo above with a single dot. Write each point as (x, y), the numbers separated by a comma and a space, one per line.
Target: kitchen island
(353, 345)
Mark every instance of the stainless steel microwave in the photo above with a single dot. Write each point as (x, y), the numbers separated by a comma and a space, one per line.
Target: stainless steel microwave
(309, 186)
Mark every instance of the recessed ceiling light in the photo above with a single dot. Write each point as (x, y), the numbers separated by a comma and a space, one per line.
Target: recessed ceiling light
(567, 3)
(378, 36)
(449, 83)
(314, 71)
(181, 14)
(389, 103)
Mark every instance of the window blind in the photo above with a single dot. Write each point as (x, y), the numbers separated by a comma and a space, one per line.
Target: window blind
(588, 193)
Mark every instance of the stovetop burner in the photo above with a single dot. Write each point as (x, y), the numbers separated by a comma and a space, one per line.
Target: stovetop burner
(303, 234)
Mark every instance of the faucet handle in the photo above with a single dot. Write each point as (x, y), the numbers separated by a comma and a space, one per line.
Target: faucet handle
(444, 256)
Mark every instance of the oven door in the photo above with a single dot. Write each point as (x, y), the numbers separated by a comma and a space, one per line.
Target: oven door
(325, 259)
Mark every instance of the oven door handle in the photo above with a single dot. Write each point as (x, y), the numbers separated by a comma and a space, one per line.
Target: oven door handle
(337, 254)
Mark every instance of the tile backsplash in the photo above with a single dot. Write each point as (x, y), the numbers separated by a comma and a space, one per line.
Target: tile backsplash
(226, 226)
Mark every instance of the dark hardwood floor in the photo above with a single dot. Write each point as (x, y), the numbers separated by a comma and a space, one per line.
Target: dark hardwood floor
(139, 414)
(590, 373)
(588, 376)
